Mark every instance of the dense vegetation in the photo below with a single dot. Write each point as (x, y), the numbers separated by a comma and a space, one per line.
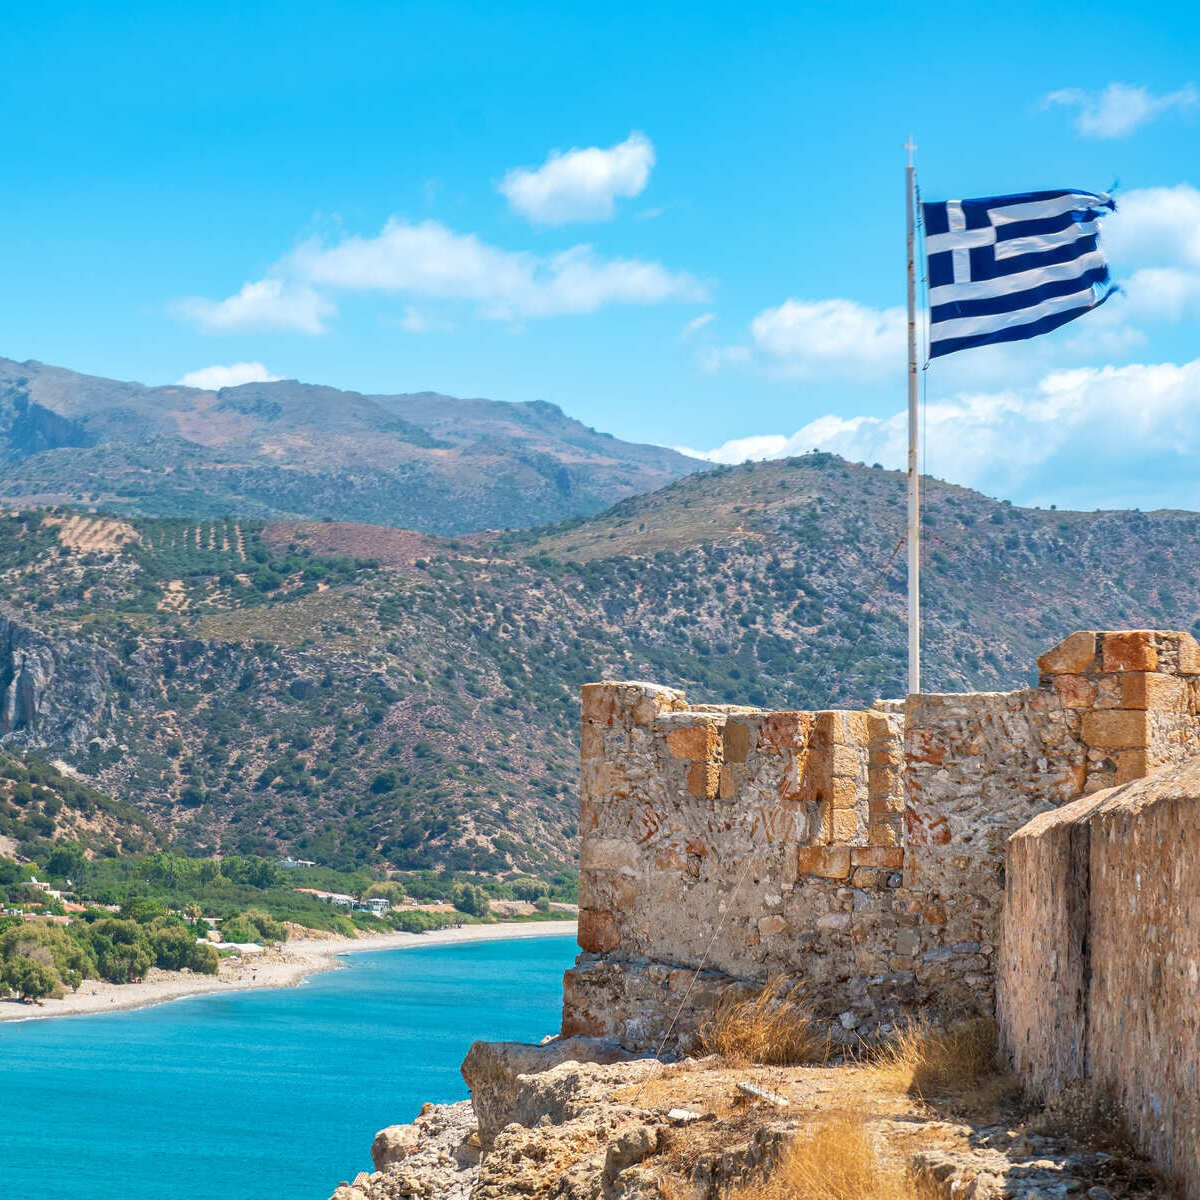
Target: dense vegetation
(419, 713)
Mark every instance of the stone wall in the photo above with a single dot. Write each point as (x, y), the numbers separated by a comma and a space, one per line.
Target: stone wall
(860, 851)
(1100, 962)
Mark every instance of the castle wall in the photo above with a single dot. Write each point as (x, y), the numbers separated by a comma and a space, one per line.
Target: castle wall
(862, 851)
(1100, 962)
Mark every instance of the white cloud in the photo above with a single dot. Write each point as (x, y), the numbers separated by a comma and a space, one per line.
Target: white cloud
(214, 378)
(580, 185)
(1120, 108)
(696, 324)
(1158, 226)
(429, 261)
(270, 303)
(1115, 419)
(804, 338)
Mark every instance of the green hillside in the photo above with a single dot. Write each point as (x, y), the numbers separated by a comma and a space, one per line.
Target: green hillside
(360, 695)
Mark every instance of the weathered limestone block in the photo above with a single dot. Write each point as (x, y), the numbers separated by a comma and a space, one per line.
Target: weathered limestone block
(1100, 957)
(493, 1071)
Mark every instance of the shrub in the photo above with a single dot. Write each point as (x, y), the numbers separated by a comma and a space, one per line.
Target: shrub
(253, 925)
(175, 947)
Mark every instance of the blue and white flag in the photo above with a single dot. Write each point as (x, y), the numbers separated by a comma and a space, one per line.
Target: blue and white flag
(1003, 268)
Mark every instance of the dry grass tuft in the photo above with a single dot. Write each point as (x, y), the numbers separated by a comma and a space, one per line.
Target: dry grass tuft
(775, 1028)
(838, 1161)
(959, 1063)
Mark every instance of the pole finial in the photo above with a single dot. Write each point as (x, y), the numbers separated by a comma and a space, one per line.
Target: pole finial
(911, 147)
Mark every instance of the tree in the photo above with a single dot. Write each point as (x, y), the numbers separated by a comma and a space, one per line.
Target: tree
(52, 944)
(67, 861)
(31, 978)
(471, 900)
(123, 953)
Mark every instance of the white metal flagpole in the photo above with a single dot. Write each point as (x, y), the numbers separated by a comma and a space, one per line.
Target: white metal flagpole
(914, 478)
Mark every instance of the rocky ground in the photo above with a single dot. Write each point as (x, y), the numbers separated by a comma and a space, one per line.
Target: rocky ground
(644, 1130)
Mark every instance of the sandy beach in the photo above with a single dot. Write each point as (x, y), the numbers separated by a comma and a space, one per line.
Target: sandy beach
(287, 967)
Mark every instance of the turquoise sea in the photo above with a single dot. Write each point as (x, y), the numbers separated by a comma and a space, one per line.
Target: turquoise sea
(267, 1095)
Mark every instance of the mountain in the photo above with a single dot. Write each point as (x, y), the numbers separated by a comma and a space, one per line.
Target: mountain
(293, 450)
(356, 694)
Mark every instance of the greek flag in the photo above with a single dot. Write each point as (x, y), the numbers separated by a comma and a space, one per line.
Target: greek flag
(1004, 268)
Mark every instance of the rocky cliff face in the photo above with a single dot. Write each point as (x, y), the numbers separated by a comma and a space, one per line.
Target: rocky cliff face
(54, 690)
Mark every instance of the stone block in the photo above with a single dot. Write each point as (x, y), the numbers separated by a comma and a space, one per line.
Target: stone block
(884, 790)
(740, 736)
(597, 931)
(1116, 729)
(771, 924)
(785, 731)
(698, 743)
(1131, 765)
(591, 741)
(609, 854)
(827, 862)
(1133, 650)
(891, 857)
(1148, 689)
(704, 780)
(844, 793)
(881, 725)
(844, 825)
(868, 877)
(601, 702)
(845, 760)
(837, 727)
(1189, 655)
(884, 830)
(589, 815)
(1075, 691)
(727, 789)
(1072, 656)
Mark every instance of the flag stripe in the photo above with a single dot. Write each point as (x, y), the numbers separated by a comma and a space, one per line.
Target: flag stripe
(1016, 302)
(1002, 285)
(989, 322)
(1014, 333)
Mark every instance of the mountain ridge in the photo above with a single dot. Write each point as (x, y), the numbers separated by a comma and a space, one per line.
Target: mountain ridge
(296, 451)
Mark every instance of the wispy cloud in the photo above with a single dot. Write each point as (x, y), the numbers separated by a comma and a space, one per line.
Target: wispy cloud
(1120, 108)
(696, 324)
(264, 304)
(426, 260)
(1004, 440)
(582, 184)
(214, 378)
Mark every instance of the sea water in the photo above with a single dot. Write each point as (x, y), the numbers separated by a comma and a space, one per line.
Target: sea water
(259, 1095)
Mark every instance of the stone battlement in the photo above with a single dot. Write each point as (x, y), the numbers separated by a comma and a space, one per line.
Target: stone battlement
(862, 851)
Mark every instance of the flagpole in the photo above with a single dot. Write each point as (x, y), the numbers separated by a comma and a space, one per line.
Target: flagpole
(914, 478)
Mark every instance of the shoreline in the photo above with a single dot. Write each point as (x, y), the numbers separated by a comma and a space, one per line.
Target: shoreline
(288, 967)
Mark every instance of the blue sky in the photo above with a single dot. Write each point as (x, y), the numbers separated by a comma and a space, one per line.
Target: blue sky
(367, 196)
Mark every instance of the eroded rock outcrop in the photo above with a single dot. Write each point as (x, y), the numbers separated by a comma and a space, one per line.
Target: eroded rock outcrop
(434, 1158)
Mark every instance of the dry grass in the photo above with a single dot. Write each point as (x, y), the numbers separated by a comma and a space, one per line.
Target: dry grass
(775, 1028)
(960, 1063)
(836, 1161)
